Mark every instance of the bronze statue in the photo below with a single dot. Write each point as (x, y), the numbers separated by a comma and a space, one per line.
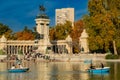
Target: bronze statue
(42, 8)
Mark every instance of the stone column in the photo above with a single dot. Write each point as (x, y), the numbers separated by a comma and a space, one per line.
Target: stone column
(42, 26)
(83, 40)
(69, 44)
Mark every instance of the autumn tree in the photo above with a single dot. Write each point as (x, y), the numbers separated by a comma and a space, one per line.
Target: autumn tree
(5, 30)
(100, 25)
(75, 34)
(52, 33)
(60, 31)
(63, 30)
(113, 7)
(26, 34)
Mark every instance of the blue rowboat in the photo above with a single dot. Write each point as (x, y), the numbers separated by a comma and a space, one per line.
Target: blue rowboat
(99, 70)
(18, 70)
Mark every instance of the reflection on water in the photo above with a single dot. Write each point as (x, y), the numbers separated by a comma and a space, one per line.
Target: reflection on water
(59, 71)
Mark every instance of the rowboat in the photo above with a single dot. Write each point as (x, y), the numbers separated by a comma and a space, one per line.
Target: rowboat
(99, 70)
(18, 70)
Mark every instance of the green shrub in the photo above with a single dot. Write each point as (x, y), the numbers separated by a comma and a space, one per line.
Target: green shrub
(2, 52)
(111, 56)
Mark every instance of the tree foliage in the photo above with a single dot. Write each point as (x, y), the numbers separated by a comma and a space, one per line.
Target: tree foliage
(102, 23)
(60, 31)
(52, 33)
(5, 30)
(26, 34)
(75, 34)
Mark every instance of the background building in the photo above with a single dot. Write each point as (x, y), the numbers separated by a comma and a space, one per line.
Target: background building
(42, 42)
(64, 14)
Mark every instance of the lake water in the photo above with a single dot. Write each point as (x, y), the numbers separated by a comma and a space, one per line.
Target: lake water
(60, 71)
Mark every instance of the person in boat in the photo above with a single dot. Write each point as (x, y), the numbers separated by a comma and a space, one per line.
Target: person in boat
(102, 66)
(20, 66)
(13, 66)
(91, 66)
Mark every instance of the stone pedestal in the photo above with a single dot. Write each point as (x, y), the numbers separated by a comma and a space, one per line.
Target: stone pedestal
(69, 44)
(3, 41)
(42, 27)
(84, 42)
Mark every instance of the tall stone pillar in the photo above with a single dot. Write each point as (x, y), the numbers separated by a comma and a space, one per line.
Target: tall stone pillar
(3, 41)
(83, 40)
(69, 44)
(42, 27)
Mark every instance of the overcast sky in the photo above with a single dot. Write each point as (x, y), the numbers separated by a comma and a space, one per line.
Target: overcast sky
(19, 13)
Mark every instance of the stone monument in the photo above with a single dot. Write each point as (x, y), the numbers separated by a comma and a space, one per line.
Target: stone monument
(42, 28)
(84, 42)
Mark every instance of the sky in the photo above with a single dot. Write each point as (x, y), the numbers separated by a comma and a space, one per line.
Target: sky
(20, 13)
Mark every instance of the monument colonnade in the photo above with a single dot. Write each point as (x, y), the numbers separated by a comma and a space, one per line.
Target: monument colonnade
(19, 47)
(28, 46)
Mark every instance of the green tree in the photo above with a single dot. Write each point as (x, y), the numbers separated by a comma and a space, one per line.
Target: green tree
(114, 9)
(62, 30)
(100, 26)
(2, 52)
(5, 30)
